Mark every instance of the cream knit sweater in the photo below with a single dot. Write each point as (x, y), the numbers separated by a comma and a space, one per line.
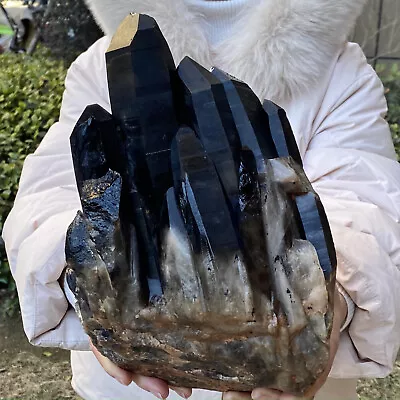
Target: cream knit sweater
(220, 16)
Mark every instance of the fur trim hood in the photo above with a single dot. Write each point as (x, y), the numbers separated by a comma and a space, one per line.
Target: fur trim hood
(285, 49)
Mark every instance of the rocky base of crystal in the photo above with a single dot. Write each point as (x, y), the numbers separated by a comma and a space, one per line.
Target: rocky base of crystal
(202, 254)
(218, 361)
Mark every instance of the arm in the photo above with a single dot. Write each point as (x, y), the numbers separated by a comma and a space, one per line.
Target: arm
(351, 163)
(46, 203)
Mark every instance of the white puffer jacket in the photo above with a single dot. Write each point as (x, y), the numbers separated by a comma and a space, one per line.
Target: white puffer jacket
(297, 55)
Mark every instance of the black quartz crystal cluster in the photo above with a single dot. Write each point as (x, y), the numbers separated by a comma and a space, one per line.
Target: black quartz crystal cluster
(201, 255)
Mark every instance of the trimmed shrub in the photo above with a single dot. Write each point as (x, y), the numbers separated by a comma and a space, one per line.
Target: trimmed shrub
(30, 98)
(391, 81)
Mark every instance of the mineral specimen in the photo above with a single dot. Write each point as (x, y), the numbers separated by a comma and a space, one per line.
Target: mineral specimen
(201, 255)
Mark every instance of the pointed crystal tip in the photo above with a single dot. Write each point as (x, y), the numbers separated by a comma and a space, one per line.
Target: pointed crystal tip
(125, 33)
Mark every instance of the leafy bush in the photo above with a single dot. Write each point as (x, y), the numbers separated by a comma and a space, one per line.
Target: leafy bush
(391, 81)
(30, 97)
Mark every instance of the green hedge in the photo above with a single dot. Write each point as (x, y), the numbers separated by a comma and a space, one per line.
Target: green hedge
(30, 97)
(391, 80)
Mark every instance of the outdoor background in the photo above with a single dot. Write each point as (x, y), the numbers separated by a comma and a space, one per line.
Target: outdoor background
(378, 31)
(30, 96)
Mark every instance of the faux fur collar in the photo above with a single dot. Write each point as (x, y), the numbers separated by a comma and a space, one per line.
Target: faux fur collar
(280, 48)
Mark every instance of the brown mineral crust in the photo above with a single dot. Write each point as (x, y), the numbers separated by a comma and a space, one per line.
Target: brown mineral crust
(215, 362)
(219, 355)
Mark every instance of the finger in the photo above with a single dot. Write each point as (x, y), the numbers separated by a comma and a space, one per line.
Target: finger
(267, 394)
(181, 391)
(157, 387)
(122, 376)
(284, 396)
(236, 396)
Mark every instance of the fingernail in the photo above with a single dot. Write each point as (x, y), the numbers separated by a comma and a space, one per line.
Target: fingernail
(121, 381)
(182, 394)
(258, 396)
(158, 395)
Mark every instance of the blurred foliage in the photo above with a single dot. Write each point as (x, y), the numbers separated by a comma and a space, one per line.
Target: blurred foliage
(381, 389)
(30, 98)
(391, 80)
(70, 29)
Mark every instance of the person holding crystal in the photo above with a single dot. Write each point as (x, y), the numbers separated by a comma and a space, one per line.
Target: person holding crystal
(296, 53)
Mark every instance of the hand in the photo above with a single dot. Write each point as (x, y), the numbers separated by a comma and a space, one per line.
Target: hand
(157, 387)
(340, 314)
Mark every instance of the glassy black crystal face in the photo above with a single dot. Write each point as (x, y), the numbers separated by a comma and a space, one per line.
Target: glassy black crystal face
(201, 255)
(281, 132)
